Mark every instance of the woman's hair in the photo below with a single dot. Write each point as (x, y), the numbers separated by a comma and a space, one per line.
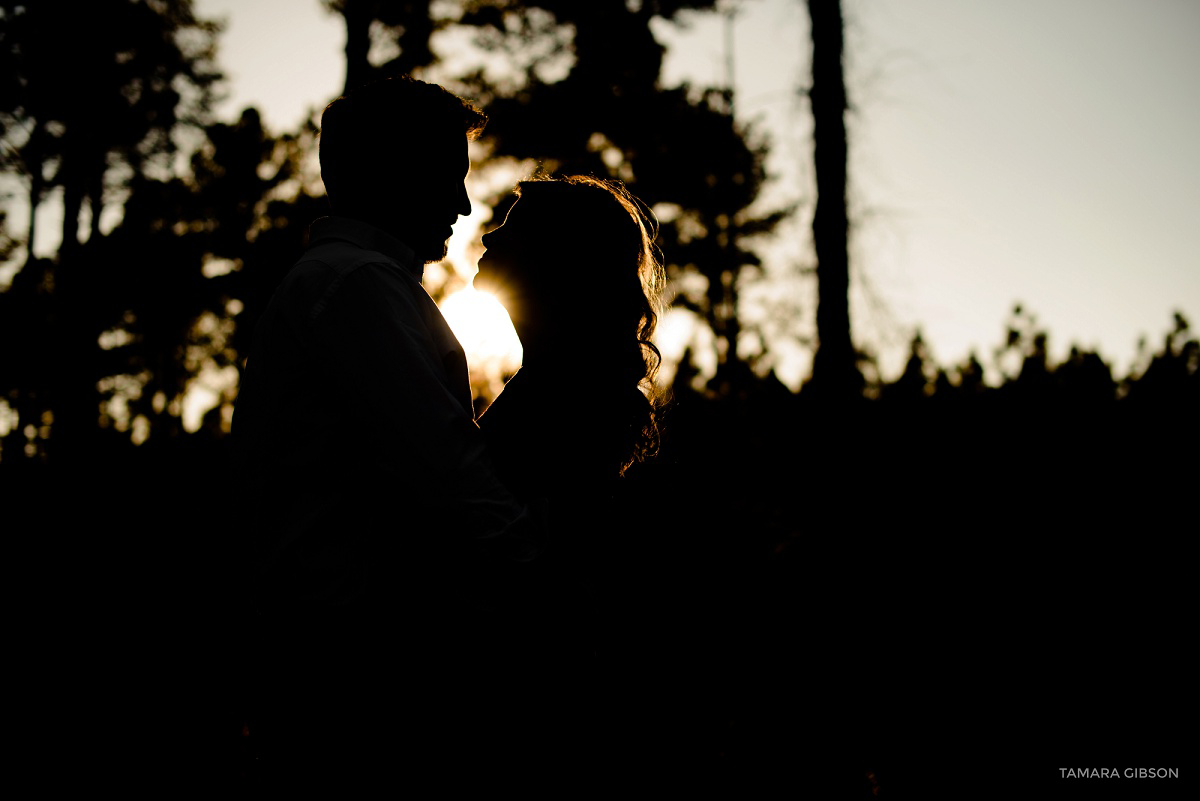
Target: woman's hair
(613, 281)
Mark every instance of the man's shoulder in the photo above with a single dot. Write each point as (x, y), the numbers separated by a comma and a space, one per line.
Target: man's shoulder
(333, 273)
(330, 263)
(335, 254)
(330, 257)
(308, 277)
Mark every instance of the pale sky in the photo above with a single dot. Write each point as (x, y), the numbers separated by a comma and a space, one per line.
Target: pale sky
(1042, 151)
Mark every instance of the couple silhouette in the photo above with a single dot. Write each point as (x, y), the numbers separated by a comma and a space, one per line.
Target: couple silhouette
(418, 581)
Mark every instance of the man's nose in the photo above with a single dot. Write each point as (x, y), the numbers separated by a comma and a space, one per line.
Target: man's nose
(464, 202)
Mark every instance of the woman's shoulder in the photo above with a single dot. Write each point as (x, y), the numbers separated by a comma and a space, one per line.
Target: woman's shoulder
(562, 440)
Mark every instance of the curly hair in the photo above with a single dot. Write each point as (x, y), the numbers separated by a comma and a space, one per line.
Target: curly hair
(621, 274)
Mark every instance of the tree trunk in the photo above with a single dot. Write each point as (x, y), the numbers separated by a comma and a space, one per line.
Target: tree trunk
(73, 196)
(358, 16)
(835, 371)
(72, 379)
(35, 196)
(95, 201)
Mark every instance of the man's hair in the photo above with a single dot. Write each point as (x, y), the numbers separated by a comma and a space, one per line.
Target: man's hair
(388, 119)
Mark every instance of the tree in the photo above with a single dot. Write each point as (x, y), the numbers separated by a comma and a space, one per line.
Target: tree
(206, 251)
(90, 132)
(680, 149)
(835, 372)
(406, 24)
(149, 69)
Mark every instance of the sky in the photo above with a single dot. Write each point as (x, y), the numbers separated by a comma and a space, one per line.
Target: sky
(1045, 152)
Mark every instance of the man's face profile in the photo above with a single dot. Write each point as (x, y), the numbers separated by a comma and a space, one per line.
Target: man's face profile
(425, 193)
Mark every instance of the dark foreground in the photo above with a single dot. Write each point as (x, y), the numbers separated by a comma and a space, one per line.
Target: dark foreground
(881, 602)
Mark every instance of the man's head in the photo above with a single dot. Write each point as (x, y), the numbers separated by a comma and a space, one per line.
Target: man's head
(394, 154)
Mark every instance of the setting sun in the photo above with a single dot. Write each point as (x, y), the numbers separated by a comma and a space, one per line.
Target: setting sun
(487, 335)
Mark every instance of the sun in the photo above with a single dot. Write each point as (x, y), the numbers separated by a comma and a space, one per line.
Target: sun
(483, 328)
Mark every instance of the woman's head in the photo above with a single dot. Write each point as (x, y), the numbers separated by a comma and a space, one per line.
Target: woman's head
(576, 266)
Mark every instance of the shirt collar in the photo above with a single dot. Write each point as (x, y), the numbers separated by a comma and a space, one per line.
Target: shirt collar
(368, 237)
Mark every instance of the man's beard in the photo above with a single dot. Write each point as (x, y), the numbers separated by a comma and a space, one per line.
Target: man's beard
(433, 252)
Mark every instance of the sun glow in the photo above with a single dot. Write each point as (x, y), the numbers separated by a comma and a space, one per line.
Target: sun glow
(482, 326)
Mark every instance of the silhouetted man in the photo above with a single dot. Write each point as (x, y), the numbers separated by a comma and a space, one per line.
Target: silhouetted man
(370, 495)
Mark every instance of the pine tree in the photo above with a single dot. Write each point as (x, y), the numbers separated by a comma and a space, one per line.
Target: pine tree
(87, 126)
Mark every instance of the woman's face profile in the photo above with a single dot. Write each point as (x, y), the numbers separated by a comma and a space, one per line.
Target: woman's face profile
(508, 267)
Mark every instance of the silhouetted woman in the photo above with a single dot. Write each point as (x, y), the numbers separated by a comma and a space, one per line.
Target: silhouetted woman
(575, 265)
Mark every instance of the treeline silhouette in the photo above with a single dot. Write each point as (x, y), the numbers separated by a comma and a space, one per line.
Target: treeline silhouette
(787, 580)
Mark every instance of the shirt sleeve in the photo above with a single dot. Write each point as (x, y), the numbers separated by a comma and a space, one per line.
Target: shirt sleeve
(374, 336)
